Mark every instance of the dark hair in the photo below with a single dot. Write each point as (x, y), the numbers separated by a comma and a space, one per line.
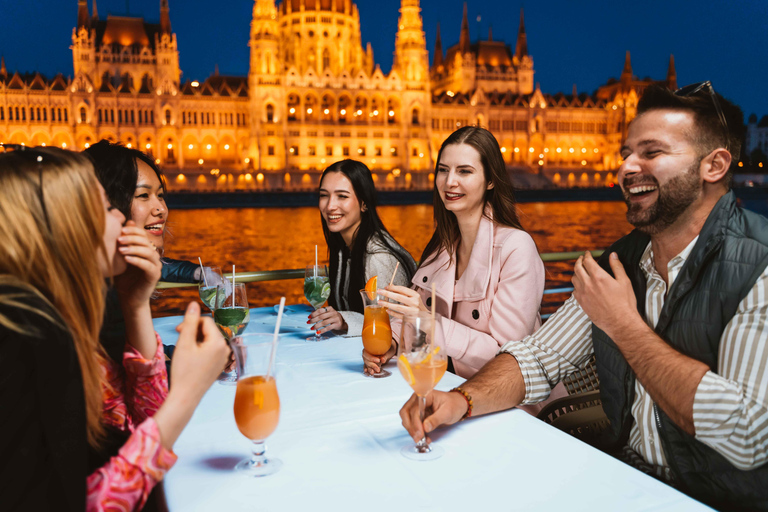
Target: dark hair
(708, 133)
(370, 226)
(501, 197)
(117, 170)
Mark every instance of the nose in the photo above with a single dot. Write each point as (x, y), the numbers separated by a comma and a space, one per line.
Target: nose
(629, 167)
(452, 178)
(159, 208)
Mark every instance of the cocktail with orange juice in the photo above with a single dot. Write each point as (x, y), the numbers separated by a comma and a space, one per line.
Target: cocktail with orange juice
(257, 403)
(422, 362)
(377, 333)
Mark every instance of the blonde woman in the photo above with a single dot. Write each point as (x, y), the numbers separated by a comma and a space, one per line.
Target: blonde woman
(84, 432)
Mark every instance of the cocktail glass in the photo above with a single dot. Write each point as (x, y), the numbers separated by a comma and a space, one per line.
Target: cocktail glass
(231, 316)
(207, 286)
(317, 289)
(257, 404)
(422, 362)
(377, 333)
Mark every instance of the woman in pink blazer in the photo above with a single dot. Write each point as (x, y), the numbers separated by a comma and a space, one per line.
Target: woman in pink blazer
(487, 272)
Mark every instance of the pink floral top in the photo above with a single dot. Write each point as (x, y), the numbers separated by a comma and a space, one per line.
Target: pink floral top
(138, 389)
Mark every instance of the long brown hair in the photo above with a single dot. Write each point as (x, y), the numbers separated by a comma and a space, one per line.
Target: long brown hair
(50, 241)
(500, 197)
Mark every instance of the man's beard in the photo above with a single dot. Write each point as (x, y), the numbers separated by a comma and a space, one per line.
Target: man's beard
(673, 199)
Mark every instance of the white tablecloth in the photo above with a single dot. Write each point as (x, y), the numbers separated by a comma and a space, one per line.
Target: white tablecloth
(340, 436)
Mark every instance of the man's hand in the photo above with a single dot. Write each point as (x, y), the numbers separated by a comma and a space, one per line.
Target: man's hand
(442, 409)
(608, 302)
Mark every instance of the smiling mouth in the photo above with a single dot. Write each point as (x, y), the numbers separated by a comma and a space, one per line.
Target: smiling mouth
(640, 191)
(452, 197)
(334, 218)
(153, 228)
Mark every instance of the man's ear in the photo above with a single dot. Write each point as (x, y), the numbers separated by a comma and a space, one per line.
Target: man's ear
(715, 165)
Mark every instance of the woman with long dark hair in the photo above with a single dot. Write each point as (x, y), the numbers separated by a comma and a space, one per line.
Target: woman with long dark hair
(486, 270)
(81, 430)
(359, 246)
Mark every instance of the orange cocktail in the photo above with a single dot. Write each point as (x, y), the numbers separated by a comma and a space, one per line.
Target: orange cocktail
(257, 403)
(257, 407)
(422, 375)
(377, 333)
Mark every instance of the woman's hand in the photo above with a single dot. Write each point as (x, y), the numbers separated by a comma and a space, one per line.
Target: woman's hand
(409, 299)
(373, 363)
(136, 284)
(200, 354)
(327, 319)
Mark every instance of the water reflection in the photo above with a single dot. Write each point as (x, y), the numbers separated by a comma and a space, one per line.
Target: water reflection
(280, 238)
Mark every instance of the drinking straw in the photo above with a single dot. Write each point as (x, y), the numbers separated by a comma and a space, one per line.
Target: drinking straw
(393, 274)
(233, 279)
(434, 305)
(315, 262)
(202, 271)
(274, 338)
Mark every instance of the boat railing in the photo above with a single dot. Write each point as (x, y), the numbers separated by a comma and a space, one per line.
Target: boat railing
(261, 276)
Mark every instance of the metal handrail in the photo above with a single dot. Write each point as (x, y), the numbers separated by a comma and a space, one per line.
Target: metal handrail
(261, 276)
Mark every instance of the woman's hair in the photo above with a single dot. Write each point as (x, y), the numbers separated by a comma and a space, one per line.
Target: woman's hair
(51, 239)
(500, 198)
(370, 226)
(116, 168)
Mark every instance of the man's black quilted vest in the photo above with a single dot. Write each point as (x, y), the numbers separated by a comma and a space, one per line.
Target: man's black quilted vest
(729, 256)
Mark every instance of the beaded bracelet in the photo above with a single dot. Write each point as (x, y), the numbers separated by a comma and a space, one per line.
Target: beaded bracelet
(468, 398)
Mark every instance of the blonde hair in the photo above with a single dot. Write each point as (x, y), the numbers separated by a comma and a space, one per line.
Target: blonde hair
(50, 241)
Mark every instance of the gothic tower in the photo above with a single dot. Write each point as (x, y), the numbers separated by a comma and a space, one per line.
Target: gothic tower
(267, 98)
(411, 58)
(523, 60)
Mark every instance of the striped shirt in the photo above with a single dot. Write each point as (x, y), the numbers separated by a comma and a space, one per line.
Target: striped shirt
(730, 408)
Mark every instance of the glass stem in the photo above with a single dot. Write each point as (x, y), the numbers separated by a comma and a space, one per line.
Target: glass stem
(258, 459)
(422, 446)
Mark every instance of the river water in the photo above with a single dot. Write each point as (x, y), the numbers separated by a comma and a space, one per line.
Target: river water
(283, 238)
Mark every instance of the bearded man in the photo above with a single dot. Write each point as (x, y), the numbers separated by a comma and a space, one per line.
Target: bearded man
(675, 313)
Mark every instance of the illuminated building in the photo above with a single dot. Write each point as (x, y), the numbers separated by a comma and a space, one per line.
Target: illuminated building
(314, 95)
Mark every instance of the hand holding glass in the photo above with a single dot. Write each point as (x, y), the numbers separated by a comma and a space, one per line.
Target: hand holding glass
(422, 362)
(317, 289)
(377, 333)
(231, 316)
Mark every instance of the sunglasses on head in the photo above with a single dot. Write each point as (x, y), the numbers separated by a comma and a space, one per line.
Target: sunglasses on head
(38, 155)
(694, 89)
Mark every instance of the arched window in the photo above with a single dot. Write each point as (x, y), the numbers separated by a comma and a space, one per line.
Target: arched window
(167, 116)
(415, 116)
(326, 59)
(83, 115)
(270, 114)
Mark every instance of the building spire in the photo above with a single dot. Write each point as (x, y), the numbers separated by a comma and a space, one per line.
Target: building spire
(490, 32)
(464, 37)
(626, 73)
(521, 48)
(95, 16)
(165, 18)
(83, 17)
(3, 69)
(438, 59)
(672, 74)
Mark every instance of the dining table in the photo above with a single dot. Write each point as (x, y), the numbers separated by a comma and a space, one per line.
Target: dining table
(339, 438)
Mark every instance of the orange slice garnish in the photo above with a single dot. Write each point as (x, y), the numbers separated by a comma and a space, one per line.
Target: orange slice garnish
(429, 356)
(407, 373)
(372, 284)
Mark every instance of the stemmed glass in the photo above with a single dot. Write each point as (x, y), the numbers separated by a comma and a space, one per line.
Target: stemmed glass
(377, 333)
(257, 404)
(422, 362)
(207, 290)
(231, 316)
(317, 289)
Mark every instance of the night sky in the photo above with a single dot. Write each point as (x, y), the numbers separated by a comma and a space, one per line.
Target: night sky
(580, 42)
